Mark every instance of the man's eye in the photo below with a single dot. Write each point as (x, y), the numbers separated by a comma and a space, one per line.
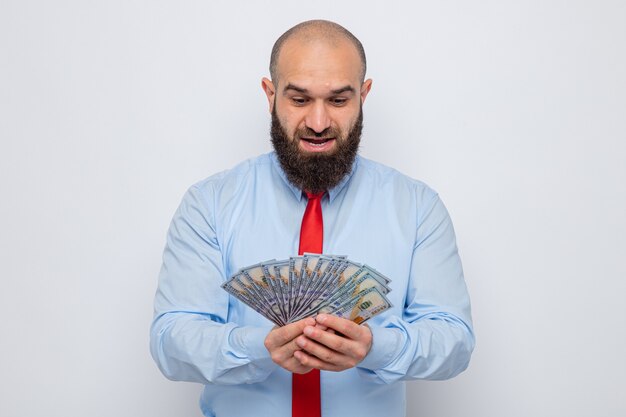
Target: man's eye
(298, 100)
(338, 101)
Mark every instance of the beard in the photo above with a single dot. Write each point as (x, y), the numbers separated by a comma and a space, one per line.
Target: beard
(312, 171)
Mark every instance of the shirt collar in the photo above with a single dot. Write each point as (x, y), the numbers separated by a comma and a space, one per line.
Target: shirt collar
(297, 192)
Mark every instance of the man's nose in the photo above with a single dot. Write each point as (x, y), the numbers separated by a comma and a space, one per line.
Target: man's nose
(317, 117)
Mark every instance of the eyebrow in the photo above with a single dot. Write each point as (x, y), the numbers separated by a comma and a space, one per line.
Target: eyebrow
(347, 88)
(296, 88)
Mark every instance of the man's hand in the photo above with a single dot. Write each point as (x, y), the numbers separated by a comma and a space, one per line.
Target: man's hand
(334, 344)
(281, 344)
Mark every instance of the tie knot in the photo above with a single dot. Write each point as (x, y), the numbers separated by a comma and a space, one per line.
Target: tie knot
(314, 196)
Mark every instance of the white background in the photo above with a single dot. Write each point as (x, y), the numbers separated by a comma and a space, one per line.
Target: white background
(514, 111)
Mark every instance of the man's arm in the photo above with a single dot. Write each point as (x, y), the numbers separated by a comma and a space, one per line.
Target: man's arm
(191, 338)
(432, 340)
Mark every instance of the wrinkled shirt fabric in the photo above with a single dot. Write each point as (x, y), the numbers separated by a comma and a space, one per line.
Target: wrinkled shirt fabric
(252, 213)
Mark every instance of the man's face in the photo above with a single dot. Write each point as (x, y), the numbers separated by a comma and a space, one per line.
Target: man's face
(316, 110)
(315, 171)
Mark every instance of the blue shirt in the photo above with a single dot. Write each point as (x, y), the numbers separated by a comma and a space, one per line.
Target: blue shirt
(252, 213)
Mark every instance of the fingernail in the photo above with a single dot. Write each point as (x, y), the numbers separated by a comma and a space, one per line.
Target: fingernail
(321, 318)
(300, 342)
(308, 331)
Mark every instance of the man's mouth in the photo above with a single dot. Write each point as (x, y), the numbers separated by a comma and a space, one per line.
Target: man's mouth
(317, 144)
(317, 141)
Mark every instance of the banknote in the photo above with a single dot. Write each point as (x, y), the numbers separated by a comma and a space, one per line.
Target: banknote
(363, 306)
(240, 287)
(288, 290)
(351, 290)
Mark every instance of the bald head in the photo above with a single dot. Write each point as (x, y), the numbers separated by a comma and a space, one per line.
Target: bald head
(316, 31)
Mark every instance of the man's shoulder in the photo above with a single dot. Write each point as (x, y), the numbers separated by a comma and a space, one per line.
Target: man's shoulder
(235, 175)
(383, 176)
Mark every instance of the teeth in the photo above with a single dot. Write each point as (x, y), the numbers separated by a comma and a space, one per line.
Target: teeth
(316, 141)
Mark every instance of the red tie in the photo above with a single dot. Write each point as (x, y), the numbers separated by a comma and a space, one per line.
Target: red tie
(305, 394)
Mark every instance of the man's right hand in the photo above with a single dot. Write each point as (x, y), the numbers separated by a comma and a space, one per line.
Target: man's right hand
(281, 344)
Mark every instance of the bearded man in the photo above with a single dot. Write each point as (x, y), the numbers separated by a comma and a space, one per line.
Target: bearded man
(323, 365)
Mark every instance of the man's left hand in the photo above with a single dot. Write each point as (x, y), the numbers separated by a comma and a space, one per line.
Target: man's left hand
(334, 344)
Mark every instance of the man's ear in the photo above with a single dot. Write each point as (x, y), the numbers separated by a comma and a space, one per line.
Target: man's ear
(270, 91)
(365, 89)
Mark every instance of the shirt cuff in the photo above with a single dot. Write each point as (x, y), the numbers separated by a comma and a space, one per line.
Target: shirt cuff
(249, 341)
(386, 344)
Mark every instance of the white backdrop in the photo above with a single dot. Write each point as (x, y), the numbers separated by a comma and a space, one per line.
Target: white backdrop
(514, 111)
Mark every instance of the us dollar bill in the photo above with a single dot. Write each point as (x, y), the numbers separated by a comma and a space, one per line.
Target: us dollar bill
(241, 288)
(302, 286)
(351, 290)
(362, 307)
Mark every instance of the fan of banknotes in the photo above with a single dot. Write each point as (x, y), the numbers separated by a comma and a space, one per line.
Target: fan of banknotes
(302, 286)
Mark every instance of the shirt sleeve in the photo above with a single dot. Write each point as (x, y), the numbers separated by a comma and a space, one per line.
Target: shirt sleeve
(190, 337)
(434, 338)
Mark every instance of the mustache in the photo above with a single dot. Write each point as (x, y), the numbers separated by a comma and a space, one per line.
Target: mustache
(316, 172)
(307, 132)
